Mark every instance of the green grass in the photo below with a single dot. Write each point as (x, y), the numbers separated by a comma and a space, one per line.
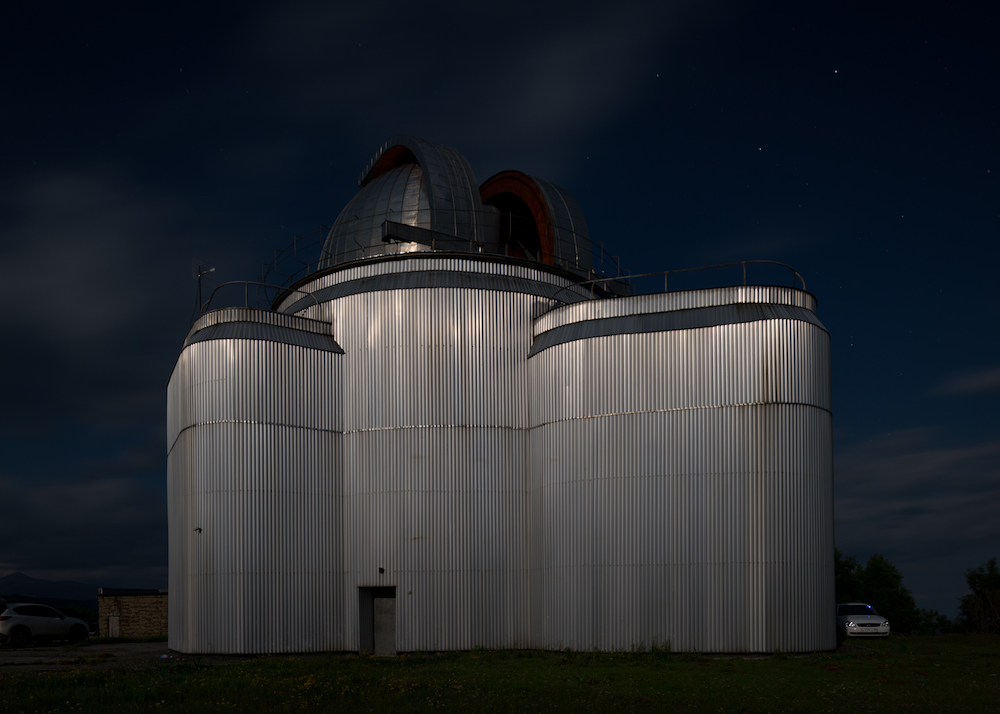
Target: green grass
(921, 673)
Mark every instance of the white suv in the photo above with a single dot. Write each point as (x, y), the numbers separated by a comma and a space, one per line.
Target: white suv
(22, 622)
(857, 619)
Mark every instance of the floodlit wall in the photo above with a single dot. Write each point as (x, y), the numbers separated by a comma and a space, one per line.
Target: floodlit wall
(681, 474)
(611, 474)
(436, 443)
(253, 472)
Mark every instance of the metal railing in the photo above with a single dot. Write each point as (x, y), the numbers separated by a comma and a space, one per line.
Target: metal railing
(667, 273)
(292, 263)
(260, 296)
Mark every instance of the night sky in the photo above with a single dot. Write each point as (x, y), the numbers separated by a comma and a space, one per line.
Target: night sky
(858, 143)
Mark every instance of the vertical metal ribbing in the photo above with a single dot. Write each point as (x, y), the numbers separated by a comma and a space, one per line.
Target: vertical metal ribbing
(710, 485)
(255, 465)
(435, 453)
(609, 492)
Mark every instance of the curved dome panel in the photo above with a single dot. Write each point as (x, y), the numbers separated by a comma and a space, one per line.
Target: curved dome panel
(409, 181)
(561, 230)
(570, 237)
(398, 194)
(451, 185)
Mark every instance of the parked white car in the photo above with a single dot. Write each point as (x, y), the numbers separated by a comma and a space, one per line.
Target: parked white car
(858, 619)
(22, 622)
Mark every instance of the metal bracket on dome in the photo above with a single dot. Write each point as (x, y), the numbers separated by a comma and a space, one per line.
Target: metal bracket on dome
(402, 233)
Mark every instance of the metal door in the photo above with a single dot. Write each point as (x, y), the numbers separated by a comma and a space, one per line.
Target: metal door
(385, 625)
(377, 620)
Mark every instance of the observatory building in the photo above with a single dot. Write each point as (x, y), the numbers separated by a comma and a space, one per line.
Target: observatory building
(454, 429)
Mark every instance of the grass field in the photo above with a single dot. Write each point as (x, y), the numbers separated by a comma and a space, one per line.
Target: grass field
(918, 673)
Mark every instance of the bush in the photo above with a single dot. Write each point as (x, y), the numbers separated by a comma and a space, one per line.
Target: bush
(933, 622)
(980, 609)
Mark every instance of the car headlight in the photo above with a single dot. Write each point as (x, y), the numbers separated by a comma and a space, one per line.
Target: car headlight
(849, 623)
(886, 623)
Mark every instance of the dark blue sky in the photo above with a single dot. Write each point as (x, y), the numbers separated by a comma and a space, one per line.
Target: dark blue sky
(858, 143)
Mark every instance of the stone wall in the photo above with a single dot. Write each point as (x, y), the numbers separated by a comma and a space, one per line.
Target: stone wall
(142, 615)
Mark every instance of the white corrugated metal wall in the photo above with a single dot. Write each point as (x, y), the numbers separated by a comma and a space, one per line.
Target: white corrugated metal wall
(682, 490)
(606, 493)
(253, 462)
(435, 450)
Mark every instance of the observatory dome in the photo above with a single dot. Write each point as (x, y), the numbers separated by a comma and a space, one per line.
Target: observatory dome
(462, 431)
(398, 195)
(538, 219)
(411, 182)
(415, 184)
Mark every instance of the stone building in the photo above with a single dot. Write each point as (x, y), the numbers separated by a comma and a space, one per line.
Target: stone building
(131, 613)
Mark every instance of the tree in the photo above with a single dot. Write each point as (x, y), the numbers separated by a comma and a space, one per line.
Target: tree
(847, 583)
(980, 609)
(880, 584)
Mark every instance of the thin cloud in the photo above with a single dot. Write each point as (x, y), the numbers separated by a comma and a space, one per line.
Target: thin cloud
(86, 530)
(576, 77)
(80, 256)
(91, 270)
(910, 496)
(98, 285)
(985, 380)
(464, 75)
(929, 507)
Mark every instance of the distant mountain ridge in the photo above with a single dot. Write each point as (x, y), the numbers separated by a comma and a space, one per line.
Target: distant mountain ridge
(62, 589)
